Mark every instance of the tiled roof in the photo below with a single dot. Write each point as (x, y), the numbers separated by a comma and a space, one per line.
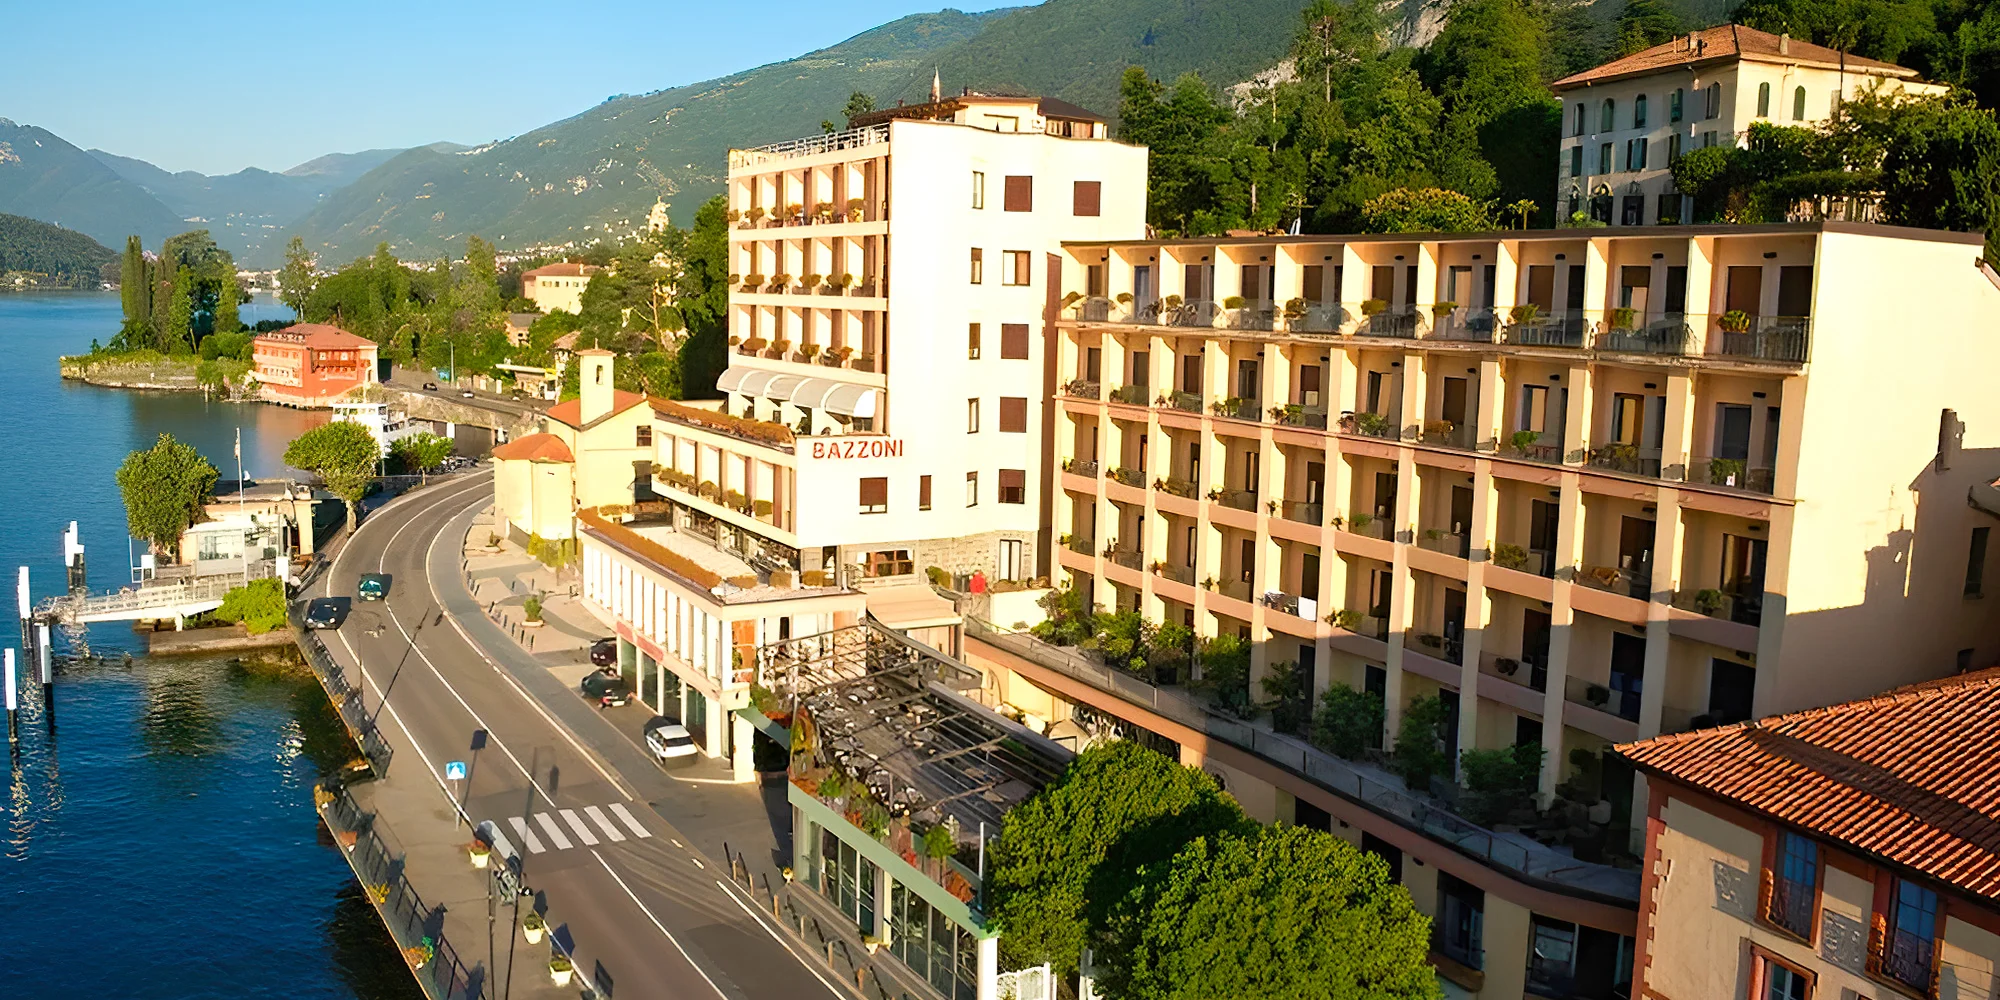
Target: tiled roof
(570, 411)
(1724, 43)
(319, 336)
(535, 448)
(562, 271)
(1911, 776)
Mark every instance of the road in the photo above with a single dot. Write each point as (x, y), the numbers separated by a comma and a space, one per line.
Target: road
(643, 908)
(409, 381)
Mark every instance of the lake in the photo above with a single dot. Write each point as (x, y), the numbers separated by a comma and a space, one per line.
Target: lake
(161, 842)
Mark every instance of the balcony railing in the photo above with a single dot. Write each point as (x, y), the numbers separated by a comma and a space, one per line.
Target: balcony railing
(1291, 604)
(1745, 608)
(1562, 329)
(1447, 542)
(1373, 425)
(1445, 434)
(1197, 313)
(1082, 388)
(1238, 499)
(1298, 415)
(1095, 309)
(1183, 575)
(1663, 334)
(1791, 907)
(1765, 338)
(1087, 470)
(1081, 544)
(1399, 322)
(1369, 526)
(1316, 317)
(1466, 323)
(1534, 446)
(1128, 558)
(1135, 478)
(1135, 395)
(1253, 316)
(1238, 408)
(1234, 589)
(1627, 459)
(1304, 513)
(1173, 486)
(1189, 401)
(854, 138)
(1603, 697)
(1442, 645)
(1634, 582)
(1730, 473)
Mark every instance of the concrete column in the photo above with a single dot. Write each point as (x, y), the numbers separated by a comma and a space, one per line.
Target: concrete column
(1506, 278)
(743, 765)
(1596, 276)
(1777, 584)
(1425, 294)
(1410, 419)
(683, 713)
(1678, 434)
(989, 968)
(716, 721)
(1791, 422)
(1562, 619)
(1492, 393)
(1701, 291)
(1669, 532)
(1576, 419)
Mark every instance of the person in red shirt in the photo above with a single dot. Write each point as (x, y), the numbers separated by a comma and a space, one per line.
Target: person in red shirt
(978, 581)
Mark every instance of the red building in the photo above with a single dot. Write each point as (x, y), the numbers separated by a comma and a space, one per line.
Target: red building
(312, 362)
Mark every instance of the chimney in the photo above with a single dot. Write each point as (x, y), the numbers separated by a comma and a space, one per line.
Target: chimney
(1785, 44)
(594, 385)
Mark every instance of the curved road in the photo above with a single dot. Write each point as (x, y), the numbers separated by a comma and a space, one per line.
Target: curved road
(647, 909)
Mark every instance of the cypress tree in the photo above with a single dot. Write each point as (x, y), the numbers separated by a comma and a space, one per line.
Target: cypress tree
(225, 303)
(132, 283)
(162, 288)
(177, 335)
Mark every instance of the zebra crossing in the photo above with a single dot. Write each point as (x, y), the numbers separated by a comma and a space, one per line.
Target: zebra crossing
(563, 829)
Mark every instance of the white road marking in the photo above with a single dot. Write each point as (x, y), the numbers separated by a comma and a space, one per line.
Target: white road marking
(629, 894)
(582, 832)
(727, 890)
(618, 809)
(555, 832)
(527, 836)
(597, 816)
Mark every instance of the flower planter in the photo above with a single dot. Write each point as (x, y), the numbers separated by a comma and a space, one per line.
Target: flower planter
(480, 856)
(533, 934)
(536, 623)
(561, 976)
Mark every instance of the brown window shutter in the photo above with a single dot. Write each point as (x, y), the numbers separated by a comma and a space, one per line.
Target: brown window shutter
(1020, 193)
(1014, 415)
(1013, 485)
(1014, 341)
(875, 491)
(923, 493)
(1089, 195)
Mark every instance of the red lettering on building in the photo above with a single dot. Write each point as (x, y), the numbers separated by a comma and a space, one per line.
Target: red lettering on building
(839, 448)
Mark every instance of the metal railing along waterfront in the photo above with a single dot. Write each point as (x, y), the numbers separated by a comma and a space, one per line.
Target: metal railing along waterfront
(345, 697)
(1511, 853)
(415, 926)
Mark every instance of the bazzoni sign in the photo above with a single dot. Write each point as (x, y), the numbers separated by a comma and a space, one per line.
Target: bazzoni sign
(857, 448)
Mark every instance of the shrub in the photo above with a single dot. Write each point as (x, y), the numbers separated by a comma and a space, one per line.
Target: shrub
(531, 609)
(1507, 555)
(259, 606)
(1500, 785)
(1348, 721)
(1419, 753)
(939, 843)
(1291, 701)
(938, 577)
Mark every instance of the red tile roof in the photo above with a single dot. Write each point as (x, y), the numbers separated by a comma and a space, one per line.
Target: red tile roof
(535, 448)
(570, 411)
(319, 336)
(1726, 43)
(562, 271)
(1911, 776)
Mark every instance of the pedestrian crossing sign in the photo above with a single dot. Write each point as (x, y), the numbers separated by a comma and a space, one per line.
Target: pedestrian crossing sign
(454, 770)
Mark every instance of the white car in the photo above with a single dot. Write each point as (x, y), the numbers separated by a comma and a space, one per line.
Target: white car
(670, 742)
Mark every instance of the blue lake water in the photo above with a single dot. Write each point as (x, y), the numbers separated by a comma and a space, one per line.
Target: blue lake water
(161, 843)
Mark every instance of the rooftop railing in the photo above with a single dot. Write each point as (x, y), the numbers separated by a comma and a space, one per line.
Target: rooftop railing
(854, 138)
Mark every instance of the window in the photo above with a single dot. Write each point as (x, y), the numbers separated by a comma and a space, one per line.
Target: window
(978, 189)
(1674, 105)
(1794, 885)
(972, 416)
(889, 562)
(923, 492)
(1799, 104)
(1604, 158)
(1013, 415)
(1712, 101)
(1673, 148)
(1576, 161)
(1776, 979)
(1635, 154)
(1639, 111)
(1019, 269)
(978, 266)
(1606, 119)
(1909, 936)
(643, 437)
(1764, 100)
(1975, 563)
(1013, 486)
(874, 495)
(972, 489)
(1576, 121)
(1020, 195)
(1707, 139)
(1014, 342)
(1087, 197)
(1460, 916)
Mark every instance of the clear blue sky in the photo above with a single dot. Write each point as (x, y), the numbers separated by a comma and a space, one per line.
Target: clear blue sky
(219, 85)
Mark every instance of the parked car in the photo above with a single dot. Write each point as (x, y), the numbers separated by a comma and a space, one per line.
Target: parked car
(606, 687)
(430, 387)
(326, 612)
(604, 652)
(670, 742)
(467, 393)
(373, 586)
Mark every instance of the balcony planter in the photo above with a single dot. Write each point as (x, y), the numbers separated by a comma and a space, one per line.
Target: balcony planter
(755, 215)
(855, 212)
(823, 211)
(1233, 302)
(479, 853)
(1443, 309)
(560, 970)
(1526, 312)
(1709, 601)
(1509, 556)
(1735, 321)
(533, 926)
(1370, 307)
(1622, 319)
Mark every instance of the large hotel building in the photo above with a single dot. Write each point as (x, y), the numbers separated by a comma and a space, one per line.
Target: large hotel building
(1585, 486)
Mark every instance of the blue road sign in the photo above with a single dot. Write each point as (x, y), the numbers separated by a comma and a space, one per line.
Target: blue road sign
(454, 770)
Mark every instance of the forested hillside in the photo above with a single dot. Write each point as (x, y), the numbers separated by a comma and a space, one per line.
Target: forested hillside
(43, 177)
(56, 255)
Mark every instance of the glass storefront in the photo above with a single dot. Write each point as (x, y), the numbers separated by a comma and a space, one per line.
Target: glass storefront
(847, 880)
(943, 953)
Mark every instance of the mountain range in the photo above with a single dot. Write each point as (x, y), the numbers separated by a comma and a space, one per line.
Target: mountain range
(594, 175)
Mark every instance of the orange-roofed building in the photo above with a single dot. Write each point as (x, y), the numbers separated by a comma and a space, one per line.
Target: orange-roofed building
(557, 286)
(593, 450)
(312, 364)
(1626, 121)
(1847, 851)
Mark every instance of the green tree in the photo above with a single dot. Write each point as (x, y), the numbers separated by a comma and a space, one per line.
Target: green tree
(228, 297)
(422, 451)
(1348, 722)
(259, 606)
(1069, 854)
(1286, 913)
(1419, 754)
(1430, 210)
(165, 488)
(1643, 24)
(179, 331)
(857, 104)
(132, 286)
(701, 296)
(343, 454)
(296, 280)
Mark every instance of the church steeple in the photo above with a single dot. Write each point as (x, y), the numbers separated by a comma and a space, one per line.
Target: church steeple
(937, 85)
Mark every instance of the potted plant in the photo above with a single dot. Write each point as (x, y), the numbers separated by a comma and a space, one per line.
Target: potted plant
(781, 347)
(813, 280)
(823, 211)
(1725, 471)
(1443, 309)
(1070, 300)
(560, 969)
(752, 282)
(795, 211)
(1370, 307)
(1709, 600)
(1597, 695)
(1524, 441)
(939, 843)
(1360, 521)
(810, 351)
(846, 280)
(1507, 555)
(1233, 302)
(418, 955)
(1735, 321)
(755, 215)
(779, 282)
(1526, 312)
(531, 611)
(479, 852)
(855, 212)
(1346, 618)
(1507, 665)
(733, 215)
(1295, 309)
(533, 926)
(1623, 317)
